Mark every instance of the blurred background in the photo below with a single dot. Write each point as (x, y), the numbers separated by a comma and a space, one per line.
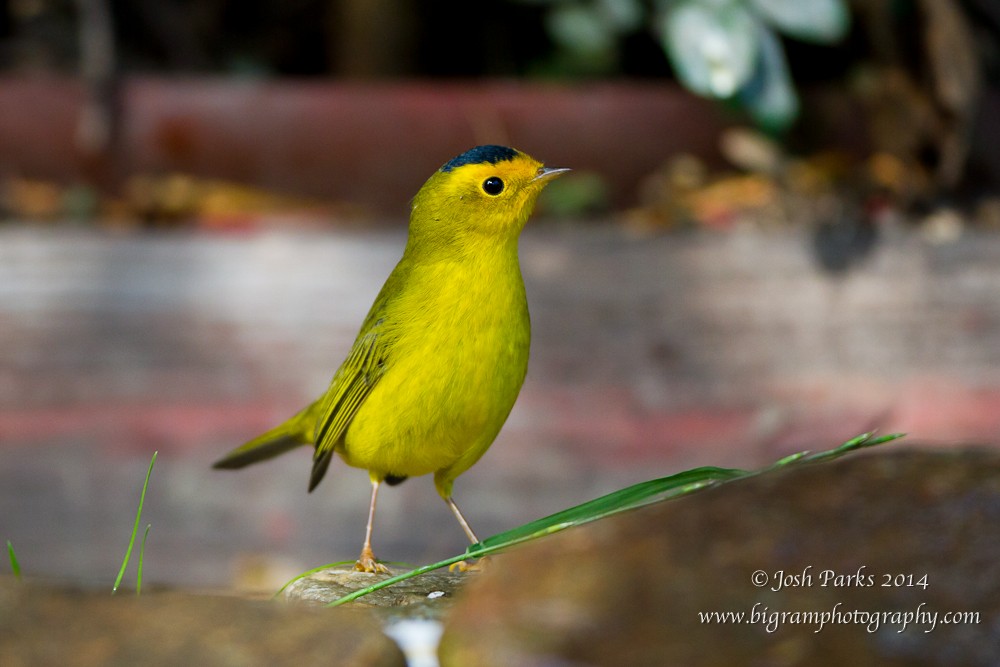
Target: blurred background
(780, 232)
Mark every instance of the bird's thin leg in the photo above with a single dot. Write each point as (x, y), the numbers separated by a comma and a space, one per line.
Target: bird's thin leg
(366, 561)
(461, 520)
(462, 565)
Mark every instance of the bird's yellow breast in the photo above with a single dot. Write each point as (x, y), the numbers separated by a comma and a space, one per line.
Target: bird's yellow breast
(459, 356)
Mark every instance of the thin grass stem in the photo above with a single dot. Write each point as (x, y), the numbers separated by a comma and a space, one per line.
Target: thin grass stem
(135, 527)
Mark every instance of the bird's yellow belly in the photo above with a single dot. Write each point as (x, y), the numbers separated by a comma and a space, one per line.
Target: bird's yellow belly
(442, 402)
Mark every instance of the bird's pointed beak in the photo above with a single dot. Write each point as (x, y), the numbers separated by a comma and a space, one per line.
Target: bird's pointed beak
(546, 174)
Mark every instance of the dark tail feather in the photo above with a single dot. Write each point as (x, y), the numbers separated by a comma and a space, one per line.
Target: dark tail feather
(259, 449)
(320, 463)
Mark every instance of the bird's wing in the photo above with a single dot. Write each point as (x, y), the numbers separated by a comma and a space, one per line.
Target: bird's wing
(355, 379)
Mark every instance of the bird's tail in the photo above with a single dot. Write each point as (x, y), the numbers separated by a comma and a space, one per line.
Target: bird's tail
(293, 433)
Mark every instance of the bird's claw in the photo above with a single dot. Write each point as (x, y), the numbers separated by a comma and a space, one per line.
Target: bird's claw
(465, 566)
(367, 563)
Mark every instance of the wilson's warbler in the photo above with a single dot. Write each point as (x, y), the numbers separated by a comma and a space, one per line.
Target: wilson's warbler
(443, 352)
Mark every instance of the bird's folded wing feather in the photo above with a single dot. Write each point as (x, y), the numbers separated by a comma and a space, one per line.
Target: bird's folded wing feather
(355, 379)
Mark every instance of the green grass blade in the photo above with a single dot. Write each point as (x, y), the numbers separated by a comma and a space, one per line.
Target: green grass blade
(628, 498)
(790, 459)
(15, 567)
(142, 552)
(632, 497)
(863, 441)
(135, 528)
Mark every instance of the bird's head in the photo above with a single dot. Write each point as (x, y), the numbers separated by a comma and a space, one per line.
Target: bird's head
(487, 192)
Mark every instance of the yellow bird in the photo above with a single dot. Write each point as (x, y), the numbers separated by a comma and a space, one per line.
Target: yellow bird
(443, 352)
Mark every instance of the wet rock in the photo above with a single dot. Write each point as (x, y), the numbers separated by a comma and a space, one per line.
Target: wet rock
(853, 562)
(428, 595)
(41, 625)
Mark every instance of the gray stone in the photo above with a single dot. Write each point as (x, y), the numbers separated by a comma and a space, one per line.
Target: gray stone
(427, 596)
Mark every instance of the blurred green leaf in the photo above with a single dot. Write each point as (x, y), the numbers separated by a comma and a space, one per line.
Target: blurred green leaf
(580, 29)
(712, 44)
(624, 15)
(821, 21)
(724, 49)
(770, 95)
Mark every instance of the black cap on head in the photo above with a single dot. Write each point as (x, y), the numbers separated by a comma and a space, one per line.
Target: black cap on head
(480, 155)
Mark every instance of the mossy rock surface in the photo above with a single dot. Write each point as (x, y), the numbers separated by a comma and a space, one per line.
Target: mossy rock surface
(429, 595)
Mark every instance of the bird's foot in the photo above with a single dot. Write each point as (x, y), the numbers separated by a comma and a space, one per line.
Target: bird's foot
(465, 566)
(367, 563)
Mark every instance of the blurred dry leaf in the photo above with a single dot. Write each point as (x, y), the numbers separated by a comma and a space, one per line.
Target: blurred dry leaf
(682, 193)
(719, 205)
(32, 199)
(751, 150)
(176, 198)
(817, 174)
(171, 199)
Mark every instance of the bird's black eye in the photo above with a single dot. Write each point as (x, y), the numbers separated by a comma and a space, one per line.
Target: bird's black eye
(493, 186)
